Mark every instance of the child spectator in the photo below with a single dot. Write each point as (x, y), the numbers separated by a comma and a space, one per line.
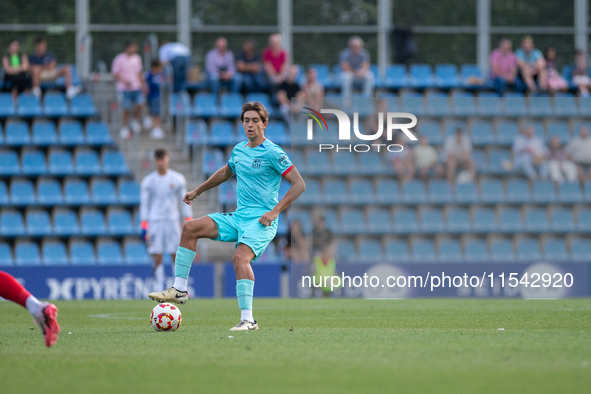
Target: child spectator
(555, 82)
(154, 78)
(580, 75)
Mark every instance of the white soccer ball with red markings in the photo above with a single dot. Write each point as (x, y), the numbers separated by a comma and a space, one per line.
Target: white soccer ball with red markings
(166, 317)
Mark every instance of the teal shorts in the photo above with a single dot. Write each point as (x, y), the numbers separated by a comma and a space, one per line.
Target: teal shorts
(244, 229)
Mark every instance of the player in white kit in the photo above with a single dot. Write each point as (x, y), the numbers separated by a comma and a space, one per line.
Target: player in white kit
(162, 194)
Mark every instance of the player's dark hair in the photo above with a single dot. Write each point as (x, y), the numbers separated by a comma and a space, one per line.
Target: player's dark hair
(255, 106)
(39, 40)
(160, 154)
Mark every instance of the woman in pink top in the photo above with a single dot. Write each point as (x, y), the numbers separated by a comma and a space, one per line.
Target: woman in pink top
(275, 61)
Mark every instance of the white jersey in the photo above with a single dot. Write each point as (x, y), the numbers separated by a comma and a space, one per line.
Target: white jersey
(161, 196)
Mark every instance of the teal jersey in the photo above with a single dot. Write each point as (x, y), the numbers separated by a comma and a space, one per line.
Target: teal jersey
(258, 172)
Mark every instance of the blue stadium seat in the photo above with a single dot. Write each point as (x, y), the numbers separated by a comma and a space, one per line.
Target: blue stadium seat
(26, 253)
(92, 222)
(275, 131)
(330, 217)
(345, 251)
(489, 104)
(484, 220)
(262, 98)
(543, 192)
(371, 163)
(463, 104)
(6, 259)
(28, 105)
(352, 221)
(361, 191)
(555, 250)
(109, 252)
(584, 219)
(405, 221)
(335, 191)
(560, 129)
(468, 72)
(491, 191)
(6, 105)
(9, 163)
(570, 192)
(313, 194)
(585, 106)
(439, 192)
(4, 199)
(136, 253)
(343, 163)
(562, 219)
(431, 220)
(196, 132)
(528, 250)
(129, 192)
(114, 163)
(82, 253)
(180, 104)
(304, 218)
(432, 130)
(397, 250)
(231, 105)
(536, 220)
(479, 160)
(54, 253)
(423, 251)
(82, 106)
(379, 221)
(540, 106)
(446, 76)
(498, 161)
(413, 102)
(414, 192)
(205, 105)
(22, 192)
(510, 220)
(450, 251)
(54, 104)
(38, 223)
(565, 105)
(458, 220)
(466, 193)
(44, 133)
(222, 133)
(323, 73)
(475, 250)
(507, 131)
(482, 133)
(515, 104)
(76, 192)
(438, 104)
(49, 192)
(213, 160)
(317, 163)
(421, 76)
(11, 223)
(17, 133)
(97, 133)
(517, 191)
(227, 192)
(103, 192)
(396, 77)
(65, 223)
(387, 191)
(120, 222)
(33, 163)
(87, 162)
(370, 251)
(502, 250)
(60, 162)
(71, 133)
(580, 250)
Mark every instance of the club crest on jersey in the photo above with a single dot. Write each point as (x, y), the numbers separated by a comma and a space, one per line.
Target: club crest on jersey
(256, 163)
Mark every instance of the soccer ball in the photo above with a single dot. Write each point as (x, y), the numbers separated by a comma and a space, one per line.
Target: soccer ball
(165, 317)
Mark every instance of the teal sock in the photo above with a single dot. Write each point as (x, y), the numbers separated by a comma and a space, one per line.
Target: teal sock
(244, 291)
(183, 261)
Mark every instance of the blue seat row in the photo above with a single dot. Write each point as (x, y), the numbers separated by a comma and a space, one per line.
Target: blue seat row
(206, 105)
(44, 133)
(79, 253)
(224, 133)
(54, 105)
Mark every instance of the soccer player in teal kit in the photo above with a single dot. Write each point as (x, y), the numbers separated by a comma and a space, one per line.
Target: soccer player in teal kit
(259, 166)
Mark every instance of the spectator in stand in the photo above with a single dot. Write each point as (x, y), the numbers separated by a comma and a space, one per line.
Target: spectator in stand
(221, 69)
(530, 154)
(249, 65)
(287, 90)
(355, 61)
(579, 151)
(154, 78)
(296, 246)
(131, 87)
(580, 76)
(16, 69)
(458, 153)
(555, 82)
(403, 161)
(179, 57)
(312, 91)
(531, 65)
(503, 66)
(559, 166)
(44, 68)
(426, 159)
(275, 62)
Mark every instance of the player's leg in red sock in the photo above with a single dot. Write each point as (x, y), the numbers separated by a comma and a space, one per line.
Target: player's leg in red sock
(11, 290)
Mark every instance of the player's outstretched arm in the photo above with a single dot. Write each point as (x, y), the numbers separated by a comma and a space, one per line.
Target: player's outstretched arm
(219, 177)
(298, 186)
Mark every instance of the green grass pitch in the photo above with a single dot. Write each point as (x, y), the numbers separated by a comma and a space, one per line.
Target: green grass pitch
(305, 346)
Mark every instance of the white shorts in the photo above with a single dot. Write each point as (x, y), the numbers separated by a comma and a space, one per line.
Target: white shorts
(164, 236)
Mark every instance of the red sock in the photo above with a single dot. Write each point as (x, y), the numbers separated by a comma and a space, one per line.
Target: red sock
(11, 290)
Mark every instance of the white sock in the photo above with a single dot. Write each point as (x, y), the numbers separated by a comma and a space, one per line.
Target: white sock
(34, 306)
(159, 278)
(246, 314)
(180, 284)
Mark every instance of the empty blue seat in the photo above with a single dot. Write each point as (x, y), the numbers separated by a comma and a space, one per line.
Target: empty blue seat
(60, 162)
(432, 130)
(565, 105)
(361, 191)
(543, 192)
(129, 192)
(22, 192)
(370, 251)
(502, 250)
(92, 222)
(371, 163)
(584, 219)
(484, 220)
(345, 251)
(227, 193)
(517, 191)
(450, 251)
(103, 192)
(5, 255)
(489, 104)
(120, 222)
(49, 192)
(482, 133)
(387, 191)
(540, 106)
(498, 161)
(136, 253)
(38, 223)
(97, 133)
(507, 131)
(379, 221)
(491, 190)
(9, 163)
(421, 76)
(6, 105)
(114, 163)
(196, 132)
(81, 105)
(352, 221)
(76, 192)
(397, 250)
(396, 76)
(205, 105)
(276, 132)
(54, 104)
(475, 250)
(439, 191)
(317, 163)
(28, 105)
(222, 133)
(555, 250)
(27, 253)
(510, 219)
(405, 221)
(464, 104)
(231, 105)
(536, 219)
(431, 220)
(109, 252)
(335, 191)
(466, 193)
(304, 218)
(65, 223)
(413, 102)
(44, 133)
(33, 163)
(560, 129)
(570, 192)
(458, 220)
(470, 72)
(446, 76)
(87, 162)
(4, 198)
(82, 253)
(17, 133)
(180, 104)
(213, 160)
(515, 104)
(70, 133)
(438, 104)
(414, 192)
(580, 250)
(423, 251)
(528, 250)
(562, 219)
(261, 97)
(11, 223)
(54, 253)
